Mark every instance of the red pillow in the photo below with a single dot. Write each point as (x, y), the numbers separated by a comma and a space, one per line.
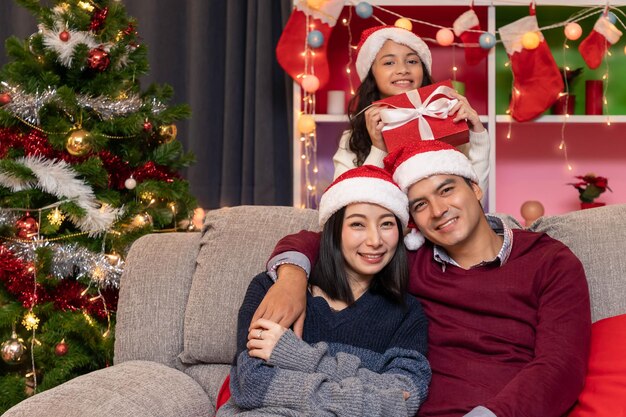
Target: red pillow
(224, 394)
(604, 393)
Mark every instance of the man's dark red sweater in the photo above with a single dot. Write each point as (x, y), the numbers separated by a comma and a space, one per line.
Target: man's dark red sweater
(512, 338)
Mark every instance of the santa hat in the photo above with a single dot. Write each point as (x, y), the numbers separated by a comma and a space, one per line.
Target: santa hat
(365, 184)
(374, 38)
(421, 159)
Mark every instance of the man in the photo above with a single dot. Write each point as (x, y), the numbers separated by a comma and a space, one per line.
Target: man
(508, 310)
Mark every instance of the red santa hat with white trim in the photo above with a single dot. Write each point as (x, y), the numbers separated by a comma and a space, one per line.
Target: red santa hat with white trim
(365, 184)
(373, 39)
(421, 159)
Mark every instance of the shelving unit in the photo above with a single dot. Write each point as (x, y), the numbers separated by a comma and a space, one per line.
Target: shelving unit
(517, 164)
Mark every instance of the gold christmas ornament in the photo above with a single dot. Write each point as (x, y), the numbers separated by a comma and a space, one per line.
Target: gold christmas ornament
(168, 133)
(142, 220)
(78, 142)
(12, 350)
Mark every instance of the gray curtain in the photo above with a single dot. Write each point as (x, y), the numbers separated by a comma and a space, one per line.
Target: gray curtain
(219, 57)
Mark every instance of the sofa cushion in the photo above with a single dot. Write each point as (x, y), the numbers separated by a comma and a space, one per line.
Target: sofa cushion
(129, 389)
(605, 384)
(154, 290)
(235, 245)
(601, 246)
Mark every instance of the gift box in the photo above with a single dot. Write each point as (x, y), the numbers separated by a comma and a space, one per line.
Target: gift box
(422, 114)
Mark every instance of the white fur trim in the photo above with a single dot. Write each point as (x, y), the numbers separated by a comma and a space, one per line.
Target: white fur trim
(512, 33)
(466, 21)
(364, 190)
(426, 164)
(376, 40)
(607, 29)
(414, 240)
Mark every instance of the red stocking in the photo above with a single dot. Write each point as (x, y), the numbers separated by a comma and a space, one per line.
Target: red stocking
(292, 41)
(537, 80)
(473, 52)
(595, 45)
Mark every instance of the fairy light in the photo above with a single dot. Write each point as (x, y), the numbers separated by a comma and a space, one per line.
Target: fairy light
(351, 49)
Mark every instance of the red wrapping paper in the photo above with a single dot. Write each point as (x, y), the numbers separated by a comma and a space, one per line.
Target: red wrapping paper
(409, 130)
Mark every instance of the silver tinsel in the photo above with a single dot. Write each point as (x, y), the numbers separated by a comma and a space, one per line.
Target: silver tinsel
(27, 105)
(73, 260)
(8, 217)
(107, 108)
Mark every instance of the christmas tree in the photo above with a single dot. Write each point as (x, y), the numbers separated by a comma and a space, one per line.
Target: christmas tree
(88, 164)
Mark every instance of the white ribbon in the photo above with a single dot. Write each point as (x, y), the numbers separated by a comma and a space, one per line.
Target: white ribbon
(438, 109)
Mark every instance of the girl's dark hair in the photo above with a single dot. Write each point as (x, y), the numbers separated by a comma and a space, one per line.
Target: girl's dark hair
(360, 142)
(329, 273)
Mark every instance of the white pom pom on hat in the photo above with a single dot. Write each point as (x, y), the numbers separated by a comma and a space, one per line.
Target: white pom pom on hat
(365, 184)
(374, 38)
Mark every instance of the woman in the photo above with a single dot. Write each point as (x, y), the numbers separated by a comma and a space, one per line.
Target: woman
(392, 60)
(364, 340)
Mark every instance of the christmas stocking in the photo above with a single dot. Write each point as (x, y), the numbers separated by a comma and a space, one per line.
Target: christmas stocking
(537, 81)
(595, 45)
(473, 52)
(322, 14)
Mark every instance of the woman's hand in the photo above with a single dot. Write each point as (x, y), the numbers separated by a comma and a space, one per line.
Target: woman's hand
(464, 111)
(374, 126)
(262, 338)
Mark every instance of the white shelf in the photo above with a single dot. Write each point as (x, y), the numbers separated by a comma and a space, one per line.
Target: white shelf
(576, 3)
(336, 118)
(571, 119)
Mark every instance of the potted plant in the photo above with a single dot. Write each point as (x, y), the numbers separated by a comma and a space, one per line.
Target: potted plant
(566, 103)
(589, 188)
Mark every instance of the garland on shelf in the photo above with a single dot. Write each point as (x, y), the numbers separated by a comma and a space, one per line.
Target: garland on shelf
(58, 178)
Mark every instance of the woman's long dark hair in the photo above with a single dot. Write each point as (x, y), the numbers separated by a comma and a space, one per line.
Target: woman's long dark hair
(360, 142)
(329, 273)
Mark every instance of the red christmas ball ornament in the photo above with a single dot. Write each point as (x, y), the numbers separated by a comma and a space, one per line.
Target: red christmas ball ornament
(5, 98)
(64, 36)
(147, 126)
(98, 59)
(27, 227)
(61, 348)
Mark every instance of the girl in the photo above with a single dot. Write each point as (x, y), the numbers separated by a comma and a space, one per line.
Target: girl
(364, 340)
(392, 60)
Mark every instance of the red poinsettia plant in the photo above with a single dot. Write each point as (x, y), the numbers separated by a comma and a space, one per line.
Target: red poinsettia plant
(590, 187)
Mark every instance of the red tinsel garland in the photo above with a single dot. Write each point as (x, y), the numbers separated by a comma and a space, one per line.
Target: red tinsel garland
(98, 18)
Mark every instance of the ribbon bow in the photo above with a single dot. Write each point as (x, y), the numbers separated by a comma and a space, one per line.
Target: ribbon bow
(438, 109)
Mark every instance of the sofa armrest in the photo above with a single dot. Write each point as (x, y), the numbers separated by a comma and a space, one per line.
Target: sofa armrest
(134, 388)
(154, 289)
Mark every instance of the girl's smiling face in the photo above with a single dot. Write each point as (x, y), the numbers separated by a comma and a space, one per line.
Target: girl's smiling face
(396, 69)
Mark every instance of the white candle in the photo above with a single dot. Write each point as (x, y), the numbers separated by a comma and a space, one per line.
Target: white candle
(336, 102)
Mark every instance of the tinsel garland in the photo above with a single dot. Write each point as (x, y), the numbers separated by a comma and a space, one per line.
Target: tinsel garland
(8, 217)
(67, 295)
(58, 178)
(27, 106)
(36, 143)
(65, 47)
(73, 260)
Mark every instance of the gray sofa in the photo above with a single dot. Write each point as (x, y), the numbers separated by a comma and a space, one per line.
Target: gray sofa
(180, 293)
